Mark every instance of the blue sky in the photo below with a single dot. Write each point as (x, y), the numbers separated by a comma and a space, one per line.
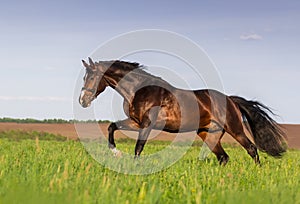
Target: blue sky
(254, 44)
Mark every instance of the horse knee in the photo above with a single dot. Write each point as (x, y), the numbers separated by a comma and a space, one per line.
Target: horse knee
(112, 127)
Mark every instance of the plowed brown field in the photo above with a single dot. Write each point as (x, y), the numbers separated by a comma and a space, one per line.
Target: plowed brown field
(89, 131)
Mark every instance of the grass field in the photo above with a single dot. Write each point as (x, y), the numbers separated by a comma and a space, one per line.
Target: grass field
(54, 171)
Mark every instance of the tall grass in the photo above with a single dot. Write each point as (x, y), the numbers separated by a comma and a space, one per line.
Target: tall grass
(51, 171)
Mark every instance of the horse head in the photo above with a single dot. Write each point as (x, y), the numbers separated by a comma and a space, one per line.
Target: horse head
(94, 83)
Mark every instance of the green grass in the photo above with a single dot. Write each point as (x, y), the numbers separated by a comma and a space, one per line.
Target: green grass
(51, 171)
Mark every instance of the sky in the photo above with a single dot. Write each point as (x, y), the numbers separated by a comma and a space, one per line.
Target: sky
(253, 44)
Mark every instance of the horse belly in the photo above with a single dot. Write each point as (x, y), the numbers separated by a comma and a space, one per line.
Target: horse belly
(172, 121)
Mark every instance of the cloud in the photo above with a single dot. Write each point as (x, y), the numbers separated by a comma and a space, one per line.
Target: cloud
(252, 36)
(34, 98)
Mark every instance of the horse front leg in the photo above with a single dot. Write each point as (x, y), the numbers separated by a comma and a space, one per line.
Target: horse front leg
(142, 139)
(147, 124)
(111, 140)
(126, 124)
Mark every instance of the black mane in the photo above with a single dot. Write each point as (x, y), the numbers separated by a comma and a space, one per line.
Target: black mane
(128, 66)
(131, 66)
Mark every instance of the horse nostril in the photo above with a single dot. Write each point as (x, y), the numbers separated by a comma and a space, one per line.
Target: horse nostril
(84, 105)
(82, 102)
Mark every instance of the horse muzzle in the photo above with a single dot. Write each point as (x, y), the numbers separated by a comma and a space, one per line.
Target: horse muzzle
(85, 100)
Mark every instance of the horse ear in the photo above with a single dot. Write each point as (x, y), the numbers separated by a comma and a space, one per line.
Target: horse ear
(85, 64)
(91, 63)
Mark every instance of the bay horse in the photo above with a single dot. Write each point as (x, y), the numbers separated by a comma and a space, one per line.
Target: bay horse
(152, 103)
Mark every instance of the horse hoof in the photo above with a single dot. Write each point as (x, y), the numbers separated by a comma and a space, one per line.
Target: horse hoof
(257, 161)
(116, 152)
(223, 160)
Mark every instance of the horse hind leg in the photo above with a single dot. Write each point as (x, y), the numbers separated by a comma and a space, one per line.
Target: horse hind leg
(213, 142)
(236, 129)
(248, 145)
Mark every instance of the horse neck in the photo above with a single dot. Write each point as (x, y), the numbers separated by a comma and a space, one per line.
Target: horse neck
(131, 82)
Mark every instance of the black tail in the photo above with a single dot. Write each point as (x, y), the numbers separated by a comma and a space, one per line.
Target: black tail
(266, 132)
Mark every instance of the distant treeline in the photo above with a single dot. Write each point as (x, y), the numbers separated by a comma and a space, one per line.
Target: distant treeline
(31, 120)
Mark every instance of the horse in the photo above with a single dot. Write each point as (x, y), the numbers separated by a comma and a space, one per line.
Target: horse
(152, 103)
